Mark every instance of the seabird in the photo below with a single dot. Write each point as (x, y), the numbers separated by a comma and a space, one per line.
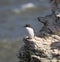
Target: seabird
(30, 31)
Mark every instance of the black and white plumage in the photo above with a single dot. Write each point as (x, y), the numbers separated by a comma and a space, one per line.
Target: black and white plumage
(30, 31)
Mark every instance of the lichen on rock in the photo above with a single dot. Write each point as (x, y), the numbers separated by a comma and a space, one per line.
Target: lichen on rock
(38, 48)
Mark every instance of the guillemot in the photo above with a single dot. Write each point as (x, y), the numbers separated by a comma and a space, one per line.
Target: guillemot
(30, 31)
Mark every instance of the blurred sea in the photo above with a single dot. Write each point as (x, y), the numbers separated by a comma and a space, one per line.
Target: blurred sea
(14, 14)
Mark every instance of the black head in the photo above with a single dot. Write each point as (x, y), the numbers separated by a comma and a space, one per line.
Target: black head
(27, 25)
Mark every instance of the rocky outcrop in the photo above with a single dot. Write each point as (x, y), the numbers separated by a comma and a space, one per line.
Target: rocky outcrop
(46, 47)
(40, 49)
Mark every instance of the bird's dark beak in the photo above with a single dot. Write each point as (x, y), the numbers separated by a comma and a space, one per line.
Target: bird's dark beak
(24, 26)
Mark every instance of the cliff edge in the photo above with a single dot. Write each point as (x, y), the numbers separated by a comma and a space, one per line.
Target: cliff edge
(46, 46)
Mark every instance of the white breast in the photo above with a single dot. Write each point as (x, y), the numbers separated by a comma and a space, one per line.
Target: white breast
(30, 32)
